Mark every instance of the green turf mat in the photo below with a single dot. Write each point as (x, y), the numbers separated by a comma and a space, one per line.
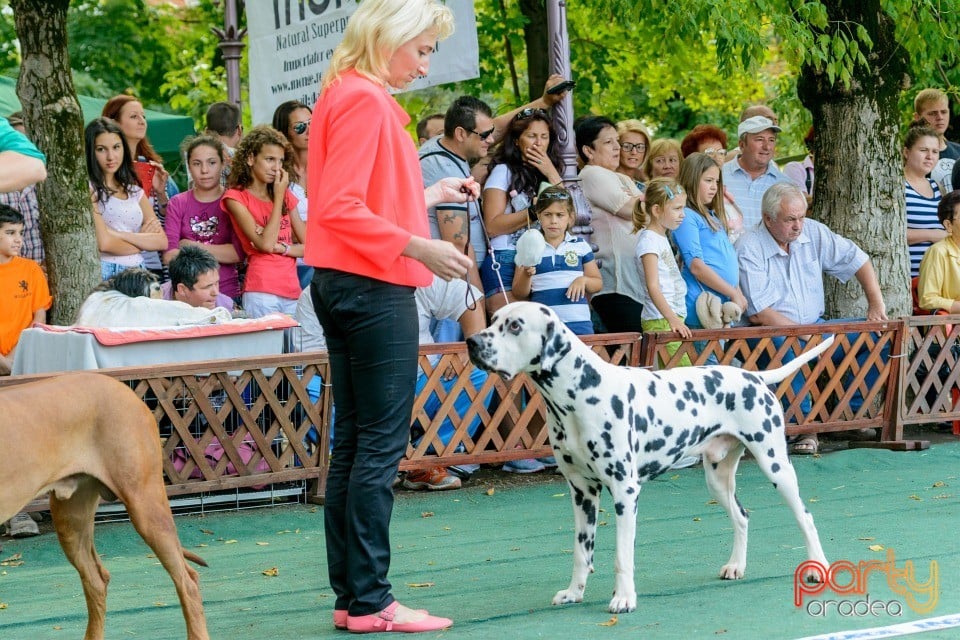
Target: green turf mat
(492, 560)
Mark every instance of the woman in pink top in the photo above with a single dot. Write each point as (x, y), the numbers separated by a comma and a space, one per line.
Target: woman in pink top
(264, 216)
(368, 238)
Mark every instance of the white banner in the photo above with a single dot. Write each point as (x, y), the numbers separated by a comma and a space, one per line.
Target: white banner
(291, 42)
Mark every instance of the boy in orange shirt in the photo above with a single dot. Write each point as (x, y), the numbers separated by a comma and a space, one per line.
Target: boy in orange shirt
(24, 295)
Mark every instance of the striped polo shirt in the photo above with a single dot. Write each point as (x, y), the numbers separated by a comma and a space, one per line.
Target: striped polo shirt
(558, 268)
(921, 214)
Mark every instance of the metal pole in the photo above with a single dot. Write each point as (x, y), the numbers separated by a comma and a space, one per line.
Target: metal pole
(563, 112)
(231, 44)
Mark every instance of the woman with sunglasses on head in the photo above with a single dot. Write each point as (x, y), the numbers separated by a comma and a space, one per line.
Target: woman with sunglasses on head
(634, 142)
(292, 119)
(612, 197)
(528, 156)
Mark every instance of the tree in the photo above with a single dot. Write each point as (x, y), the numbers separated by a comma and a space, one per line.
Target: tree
(855, 58)
(52, 115)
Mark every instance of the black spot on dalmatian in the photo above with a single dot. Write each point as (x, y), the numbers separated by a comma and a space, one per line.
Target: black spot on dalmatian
(776, 421)
(771, 453)
(668, 431)
(747, 436)
(581, 537)
(650, 470)
(655, 445)
(775, 467)
(652, 390)
(569, 459)
(578, 362)
(731, 402)
(680, 404)
(607, 426)
(608, 443)
(767, 426)
(749, 396)
(590, 511)
(589, 378)
(592, 447)
(672, 387)
(631, 393)
(774, 485)
(591, 399)
(619, 508)
(650, 414)
(571, 394)
(631, 491)
(751, 377)
(743, 511)
(617, 404)
(711, 382)
(714, 465)
(758, 436)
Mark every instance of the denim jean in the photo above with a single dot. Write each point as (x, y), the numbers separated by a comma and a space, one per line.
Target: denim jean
(371, 330)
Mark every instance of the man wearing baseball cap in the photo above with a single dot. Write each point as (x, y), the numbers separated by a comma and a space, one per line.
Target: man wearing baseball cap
(752, 172)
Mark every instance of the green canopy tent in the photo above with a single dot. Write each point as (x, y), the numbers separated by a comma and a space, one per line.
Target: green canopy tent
(165, 130)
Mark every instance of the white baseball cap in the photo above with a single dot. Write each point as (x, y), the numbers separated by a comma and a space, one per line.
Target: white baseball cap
(756, 124)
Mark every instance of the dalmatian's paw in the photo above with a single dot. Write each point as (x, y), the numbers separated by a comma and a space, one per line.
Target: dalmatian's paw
(732, 571)
(623, 603)
(568, 596)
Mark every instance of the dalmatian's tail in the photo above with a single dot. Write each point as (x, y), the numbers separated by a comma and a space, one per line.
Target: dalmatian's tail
(776, 375)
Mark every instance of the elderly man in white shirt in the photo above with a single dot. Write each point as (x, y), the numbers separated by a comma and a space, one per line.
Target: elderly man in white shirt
(782, 262)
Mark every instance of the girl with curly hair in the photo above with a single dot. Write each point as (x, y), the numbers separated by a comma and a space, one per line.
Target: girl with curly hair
(260, 207)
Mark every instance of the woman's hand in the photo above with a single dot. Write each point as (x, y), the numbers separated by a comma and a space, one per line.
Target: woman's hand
(440, 256)
(452, 189)
(739, 299)
(151, 226)
(160, 177)
(539, 160)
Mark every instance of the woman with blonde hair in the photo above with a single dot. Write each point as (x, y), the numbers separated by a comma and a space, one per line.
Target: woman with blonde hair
(663, 159)
(369, 241)
(634, 143)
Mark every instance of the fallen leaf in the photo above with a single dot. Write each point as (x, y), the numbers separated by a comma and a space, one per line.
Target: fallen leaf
(515, 549)
(420, 585)
(263, 544)
(942, 496)
(229, 542)
(696, 519)
(426, 514)
(675, 476)
(57, 627)
(206, 531)
(866, 539)
(875, 547)
(559, 495)
(3, 605)
(159, 604)
(491, 491)
(916, 497)
(272, 572)
(203, 544)
(939, 483)
(813, 500)
(446, 529)
(712, 502)
(609, 623)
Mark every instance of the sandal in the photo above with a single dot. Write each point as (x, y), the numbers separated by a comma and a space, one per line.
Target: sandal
(805, 446)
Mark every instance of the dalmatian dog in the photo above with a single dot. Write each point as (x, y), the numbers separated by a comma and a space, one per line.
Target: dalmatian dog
(618, 427)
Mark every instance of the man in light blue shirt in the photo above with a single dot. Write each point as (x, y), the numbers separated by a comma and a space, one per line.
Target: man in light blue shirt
(782, 262)
(750, 174)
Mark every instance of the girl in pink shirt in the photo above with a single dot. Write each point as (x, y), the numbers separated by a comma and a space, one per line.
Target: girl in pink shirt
(260, 207)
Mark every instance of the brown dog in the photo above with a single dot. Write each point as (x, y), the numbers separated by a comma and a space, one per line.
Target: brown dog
(79, 437)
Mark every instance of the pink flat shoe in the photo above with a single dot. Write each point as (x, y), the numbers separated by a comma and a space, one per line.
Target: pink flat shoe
(340, 619)
(383, 621)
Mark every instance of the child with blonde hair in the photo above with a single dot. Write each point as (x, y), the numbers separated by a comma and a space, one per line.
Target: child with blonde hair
(664, 290)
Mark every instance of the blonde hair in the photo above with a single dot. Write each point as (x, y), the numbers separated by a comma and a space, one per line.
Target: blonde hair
(377, 29)
(691, 170)
(659, 192)
(633, 126)
(928, 97)
(660, 147)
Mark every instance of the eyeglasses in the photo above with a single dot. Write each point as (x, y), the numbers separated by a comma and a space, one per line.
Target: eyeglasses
(483, 134)
(630, 148)
(670, 194)
(300, 127)
(530, 112)
(714, 152)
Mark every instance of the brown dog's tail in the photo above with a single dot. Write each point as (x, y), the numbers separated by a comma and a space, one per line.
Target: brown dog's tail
(194, 558)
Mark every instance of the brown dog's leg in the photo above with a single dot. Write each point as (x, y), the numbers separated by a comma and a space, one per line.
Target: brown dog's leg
(150, 514)
(73, 520)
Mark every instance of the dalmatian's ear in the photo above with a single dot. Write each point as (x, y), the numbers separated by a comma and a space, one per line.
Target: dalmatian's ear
(556, 344)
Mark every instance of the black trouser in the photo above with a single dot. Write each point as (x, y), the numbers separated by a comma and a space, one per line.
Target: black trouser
(371, 331)
(618, 312)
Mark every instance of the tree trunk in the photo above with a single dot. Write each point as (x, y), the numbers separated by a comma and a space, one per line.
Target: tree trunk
(53, 118)
(537, 41)
(859, 171)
